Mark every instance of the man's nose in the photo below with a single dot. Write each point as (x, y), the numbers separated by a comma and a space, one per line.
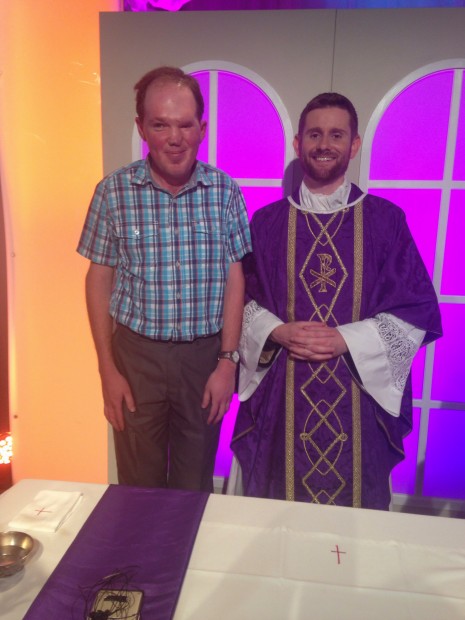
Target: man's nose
(324, 142)
(175, 135)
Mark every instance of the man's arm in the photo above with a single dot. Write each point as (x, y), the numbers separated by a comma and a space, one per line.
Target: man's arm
(220, 385)
(115, 388)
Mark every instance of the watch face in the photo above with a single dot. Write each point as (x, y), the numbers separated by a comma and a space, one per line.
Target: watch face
(235, 356)
(229, 355)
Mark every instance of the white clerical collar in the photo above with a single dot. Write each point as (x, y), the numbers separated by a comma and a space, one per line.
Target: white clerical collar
(322, 203)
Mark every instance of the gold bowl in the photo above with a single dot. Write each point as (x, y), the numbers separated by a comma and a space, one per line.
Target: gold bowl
(14, 549)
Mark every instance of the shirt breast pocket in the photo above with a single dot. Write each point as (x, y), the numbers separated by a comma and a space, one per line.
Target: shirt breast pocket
(137, 247)
(208, 240)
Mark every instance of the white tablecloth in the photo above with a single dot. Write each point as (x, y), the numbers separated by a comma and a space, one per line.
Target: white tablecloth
(279, 560)
(257, 559)
(18, 591)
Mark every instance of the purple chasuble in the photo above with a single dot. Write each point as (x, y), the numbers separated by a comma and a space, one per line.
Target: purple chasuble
(146, 534)
(310, 432)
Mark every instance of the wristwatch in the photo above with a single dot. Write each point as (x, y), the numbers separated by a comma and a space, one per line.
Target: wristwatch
(233, 356)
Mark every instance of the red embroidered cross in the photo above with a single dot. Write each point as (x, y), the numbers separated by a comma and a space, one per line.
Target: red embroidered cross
(41, 510)
(338, 554)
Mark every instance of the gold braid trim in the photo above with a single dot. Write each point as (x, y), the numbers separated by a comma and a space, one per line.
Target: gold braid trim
(291, 234)
(356, 421)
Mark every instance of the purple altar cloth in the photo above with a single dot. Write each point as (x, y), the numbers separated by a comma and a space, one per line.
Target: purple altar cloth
(147, 533)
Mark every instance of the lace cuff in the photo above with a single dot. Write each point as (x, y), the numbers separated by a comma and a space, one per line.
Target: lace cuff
(400, 346)
(382, 349)
(251, 311)
(257, 324)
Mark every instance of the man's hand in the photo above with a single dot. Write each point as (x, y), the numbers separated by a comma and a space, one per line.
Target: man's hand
(116, 391)
(115, 388)
(219, 390)
(310, 340)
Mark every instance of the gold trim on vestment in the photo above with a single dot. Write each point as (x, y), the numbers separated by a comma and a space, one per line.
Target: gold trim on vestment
(323, 414)
(356, 409)
(326, 412)
(290, 494)
(324, 237)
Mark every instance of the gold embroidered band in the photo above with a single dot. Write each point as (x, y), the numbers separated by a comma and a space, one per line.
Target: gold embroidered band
(356, 421)
(291, 234)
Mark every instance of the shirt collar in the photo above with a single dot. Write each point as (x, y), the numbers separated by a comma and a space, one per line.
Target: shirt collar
(322, 203)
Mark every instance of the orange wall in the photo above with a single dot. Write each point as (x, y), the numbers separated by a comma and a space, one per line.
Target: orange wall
(50, 161)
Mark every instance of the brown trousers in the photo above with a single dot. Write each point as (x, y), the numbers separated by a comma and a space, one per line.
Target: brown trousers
(166, 442)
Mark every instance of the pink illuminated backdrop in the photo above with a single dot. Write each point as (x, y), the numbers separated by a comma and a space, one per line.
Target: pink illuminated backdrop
(416, 159)
(249, 145)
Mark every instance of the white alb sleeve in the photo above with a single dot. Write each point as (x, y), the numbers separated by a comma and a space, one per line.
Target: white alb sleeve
(257, 325)
(382, 349)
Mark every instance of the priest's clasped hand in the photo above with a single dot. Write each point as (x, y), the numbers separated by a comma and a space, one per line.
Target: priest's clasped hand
(310, 340)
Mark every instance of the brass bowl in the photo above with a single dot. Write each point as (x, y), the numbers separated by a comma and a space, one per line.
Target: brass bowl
(14, 549)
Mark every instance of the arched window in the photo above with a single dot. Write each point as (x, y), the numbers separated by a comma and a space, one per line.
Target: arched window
(414, 155)
(249, 133)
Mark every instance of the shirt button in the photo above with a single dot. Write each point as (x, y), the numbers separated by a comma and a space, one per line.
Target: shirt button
(178, 264)
(178, 295)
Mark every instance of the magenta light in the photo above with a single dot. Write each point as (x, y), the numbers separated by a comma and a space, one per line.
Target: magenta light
(403, 476)
(448, 377)
(445, 456)
(144, 5)
(224, 454)
(250, 132)
(453, 273)
(459, 166)
(421, 208)
(258, 197)
(410, 141)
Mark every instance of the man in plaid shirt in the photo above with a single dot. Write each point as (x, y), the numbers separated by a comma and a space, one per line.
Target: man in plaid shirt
(165, 290)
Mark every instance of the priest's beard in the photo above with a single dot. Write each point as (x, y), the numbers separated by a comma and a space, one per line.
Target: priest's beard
(327, 174)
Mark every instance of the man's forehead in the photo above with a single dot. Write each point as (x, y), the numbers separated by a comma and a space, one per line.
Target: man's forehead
(171, 94)
(161, 87)
(331, 116)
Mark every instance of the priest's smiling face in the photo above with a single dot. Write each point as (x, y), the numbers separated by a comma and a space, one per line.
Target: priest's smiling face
(325, 148)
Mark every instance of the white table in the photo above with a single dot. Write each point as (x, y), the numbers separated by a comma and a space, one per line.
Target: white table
(257, 559)
(18, 591)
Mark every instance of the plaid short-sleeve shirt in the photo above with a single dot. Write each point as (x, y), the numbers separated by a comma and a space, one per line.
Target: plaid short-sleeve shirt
(171, 253)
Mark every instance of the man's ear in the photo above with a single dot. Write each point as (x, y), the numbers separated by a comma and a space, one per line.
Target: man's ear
(139, 128)
(356, 144)
(203, 129)
(296, 145)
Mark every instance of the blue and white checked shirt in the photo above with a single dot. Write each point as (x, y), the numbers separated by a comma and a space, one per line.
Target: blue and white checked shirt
(171, 253)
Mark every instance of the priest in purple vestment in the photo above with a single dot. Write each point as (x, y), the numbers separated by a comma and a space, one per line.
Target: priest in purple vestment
(339, 303)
